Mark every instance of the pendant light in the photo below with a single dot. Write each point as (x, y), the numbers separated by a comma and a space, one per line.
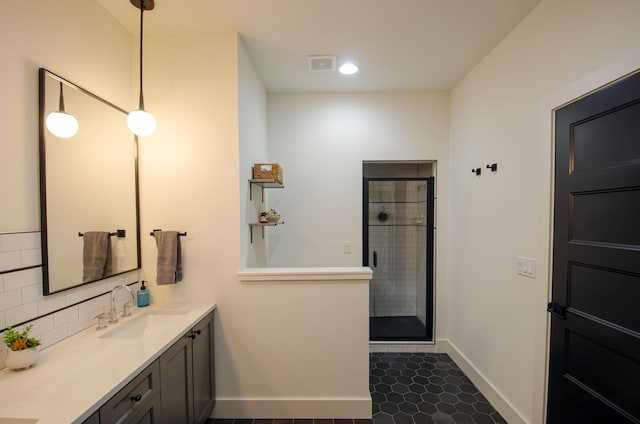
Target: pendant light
(60, 123)
(141, 122)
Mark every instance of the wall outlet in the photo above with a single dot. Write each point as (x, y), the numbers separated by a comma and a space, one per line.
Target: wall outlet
(526, 266)
(347, 247)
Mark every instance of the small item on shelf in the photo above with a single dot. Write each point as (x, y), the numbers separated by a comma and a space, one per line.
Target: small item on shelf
(272, 216)
(267, 171)
(263, 218)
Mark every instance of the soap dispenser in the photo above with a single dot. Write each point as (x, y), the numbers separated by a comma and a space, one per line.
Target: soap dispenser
(143, 296)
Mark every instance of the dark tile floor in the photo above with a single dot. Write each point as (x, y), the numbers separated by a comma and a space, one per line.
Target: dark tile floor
(396, 328)
(412, 388)
(425, 388)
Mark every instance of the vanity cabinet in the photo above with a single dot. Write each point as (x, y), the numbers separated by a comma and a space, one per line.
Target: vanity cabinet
(136, 401)
(178, 387)
(187, 379)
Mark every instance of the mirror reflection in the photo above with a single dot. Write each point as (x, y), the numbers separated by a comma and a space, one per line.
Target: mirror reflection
(88, 189)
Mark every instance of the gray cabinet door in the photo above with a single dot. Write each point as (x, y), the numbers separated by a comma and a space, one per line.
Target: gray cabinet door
(150, 414)
(203, 369)
(176, 382)
(94, 419)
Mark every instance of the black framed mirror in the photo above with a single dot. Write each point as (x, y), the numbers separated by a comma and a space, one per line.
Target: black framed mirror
(89, 199)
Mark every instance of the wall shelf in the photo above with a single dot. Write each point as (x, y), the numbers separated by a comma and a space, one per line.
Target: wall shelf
(262, 224)
(263, 184)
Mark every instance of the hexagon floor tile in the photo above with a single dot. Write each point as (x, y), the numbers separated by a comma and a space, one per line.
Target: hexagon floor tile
(412, 388)
(425, 388)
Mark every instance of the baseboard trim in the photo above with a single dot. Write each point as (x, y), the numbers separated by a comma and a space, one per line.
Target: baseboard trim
(508, 412)
(356, 408)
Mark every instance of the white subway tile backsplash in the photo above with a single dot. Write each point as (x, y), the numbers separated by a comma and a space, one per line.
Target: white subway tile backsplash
(18, 241)
(42, 325)
(24, 278)
(9, 260)
(78, 325)
(31, 257)
(65, 316)
(21, 313)
(10, 299)
(54, 336)
(57, 316)
(50, 303)
(77, 296)
(31, 293)
(97, 288)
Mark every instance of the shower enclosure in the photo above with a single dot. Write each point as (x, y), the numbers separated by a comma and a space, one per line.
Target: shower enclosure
(398, 246)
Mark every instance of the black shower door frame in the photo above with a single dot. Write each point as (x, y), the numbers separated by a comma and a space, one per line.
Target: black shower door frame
(430, 229)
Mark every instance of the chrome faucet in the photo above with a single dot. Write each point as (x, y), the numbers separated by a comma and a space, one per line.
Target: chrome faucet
(113, 312)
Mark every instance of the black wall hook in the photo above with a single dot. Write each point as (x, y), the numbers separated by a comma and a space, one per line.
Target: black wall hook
(493, 167)
(477, 171)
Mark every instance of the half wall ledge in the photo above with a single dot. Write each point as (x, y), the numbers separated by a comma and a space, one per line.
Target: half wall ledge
(304, 274)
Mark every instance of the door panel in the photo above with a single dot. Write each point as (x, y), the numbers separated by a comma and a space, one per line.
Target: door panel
(594, 365)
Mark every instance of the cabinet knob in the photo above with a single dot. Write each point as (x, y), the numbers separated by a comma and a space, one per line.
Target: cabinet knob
(136, 398)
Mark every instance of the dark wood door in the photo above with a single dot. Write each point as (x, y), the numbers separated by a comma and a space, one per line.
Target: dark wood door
(594, 366)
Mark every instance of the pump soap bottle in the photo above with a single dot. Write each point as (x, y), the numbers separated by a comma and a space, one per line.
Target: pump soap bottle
(143, 296)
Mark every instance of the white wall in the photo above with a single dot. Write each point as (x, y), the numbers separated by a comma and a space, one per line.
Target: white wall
(501, 112)
(252, 101)
(321, 141)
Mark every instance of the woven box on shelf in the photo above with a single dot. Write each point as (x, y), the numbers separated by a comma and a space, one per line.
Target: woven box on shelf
(267, 171)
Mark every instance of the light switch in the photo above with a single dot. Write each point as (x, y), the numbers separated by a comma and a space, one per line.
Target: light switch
(526, 266)
(347, 247)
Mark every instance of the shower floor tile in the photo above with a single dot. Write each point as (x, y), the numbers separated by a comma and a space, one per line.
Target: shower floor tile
(396, 328)
(412, 388)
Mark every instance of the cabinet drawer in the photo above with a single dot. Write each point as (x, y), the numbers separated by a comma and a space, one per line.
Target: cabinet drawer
(133, 397)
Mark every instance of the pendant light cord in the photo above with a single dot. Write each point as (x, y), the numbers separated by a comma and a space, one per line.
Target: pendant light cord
(141, 32)
(61, 104)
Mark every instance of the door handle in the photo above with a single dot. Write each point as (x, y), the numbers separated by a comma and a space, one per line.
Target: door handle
(375, 259)
(558, 309)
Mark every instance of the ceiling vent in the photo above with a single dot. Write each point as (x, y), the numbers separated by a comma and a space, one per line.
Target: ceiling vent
(321, 63)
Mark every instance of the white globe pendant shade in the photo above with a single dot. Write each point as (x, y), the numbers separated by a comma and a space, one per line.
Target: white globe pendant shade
(62, 124)
(141, 123)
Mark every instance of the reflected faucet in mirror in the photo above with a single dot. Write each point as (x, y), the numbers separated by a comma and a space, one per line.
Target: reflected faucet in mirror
(89, 181)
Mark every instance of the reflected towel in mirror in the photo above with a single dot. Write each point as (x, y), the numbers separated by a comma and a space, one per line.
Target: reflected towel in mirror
(169, 257)
(96, 255)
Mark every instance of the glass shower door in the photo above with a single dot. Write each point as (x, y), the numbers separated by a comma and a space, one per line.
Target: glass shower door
(398, 247)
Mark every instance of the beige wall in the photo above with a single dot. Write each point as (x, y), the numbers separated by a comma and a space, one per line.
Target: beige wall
(79, 41)
(73, 38)
(272, 339)
(501, 112)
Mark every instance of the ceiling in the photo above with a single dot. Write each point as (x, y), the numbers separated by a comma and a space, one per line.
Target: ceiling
(398, 44)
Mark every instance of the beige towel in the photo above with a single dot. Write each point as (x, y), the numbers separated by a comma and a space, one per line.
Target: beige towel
(96, 255)
(169, 257)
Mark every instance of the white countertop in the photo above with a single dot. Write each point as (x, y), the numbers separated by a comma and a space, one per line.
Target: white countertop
(76, 376)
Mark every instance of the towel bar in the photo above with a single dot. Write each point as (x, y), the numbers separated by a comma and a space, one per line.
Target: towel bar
(179, 234)
(119, 233)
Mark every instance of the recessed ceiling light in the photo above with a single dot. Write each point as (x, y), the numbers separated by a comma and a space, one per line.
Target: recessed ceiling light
(348, 69)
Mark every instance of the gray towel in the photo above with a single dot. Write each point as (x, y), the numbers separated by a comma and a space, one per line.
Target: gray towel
(96, 255)
(169, 257)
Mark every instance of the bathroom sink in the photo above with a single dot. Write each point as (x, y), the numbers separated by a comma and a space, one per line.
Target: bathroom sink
(144, 323)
